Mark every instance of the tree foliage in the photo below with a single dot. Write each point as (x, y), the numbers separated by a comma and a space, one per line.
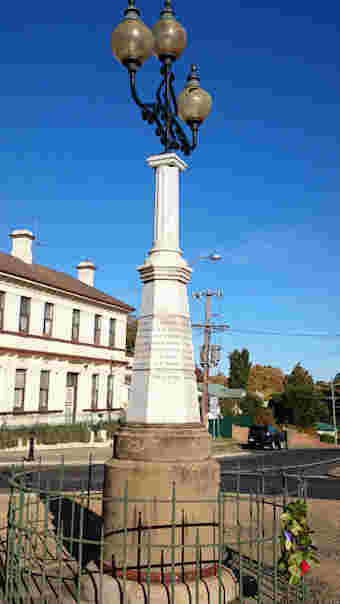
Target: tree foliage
(239, 368)
(228, 406)
(266, 379)
(299, 377)
(264, 415)
(299, 405)
(219, 378)
(250, 403)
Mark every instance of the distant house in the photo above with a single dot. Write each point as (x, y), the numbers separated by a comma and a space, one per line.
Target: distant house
(222, 393)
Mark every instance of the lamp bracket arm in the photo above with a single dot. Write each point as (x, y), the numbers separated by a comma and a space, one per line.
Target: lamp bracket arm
(149, 113)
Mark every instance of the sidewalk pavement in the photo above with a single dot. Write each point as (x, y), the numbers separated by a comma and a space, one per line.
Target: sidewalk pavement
(77, 456)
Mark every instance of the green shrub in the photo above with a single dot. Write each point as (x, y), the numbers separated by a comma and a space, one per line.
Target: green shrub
(7, 441)
(327, 438)
(111, 428)
(68, 433)
(45, 434)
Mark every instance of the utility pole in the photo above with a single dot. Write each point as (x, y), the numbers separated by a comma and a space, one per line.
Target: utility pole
(209, 354)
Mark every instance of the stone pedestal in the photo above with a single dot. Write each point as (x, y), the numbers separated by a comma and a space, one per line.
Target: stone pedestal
(154, 463)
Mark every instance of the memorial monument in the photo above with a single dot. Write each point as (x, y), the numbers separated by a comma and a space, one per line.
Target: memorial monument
(163, 444)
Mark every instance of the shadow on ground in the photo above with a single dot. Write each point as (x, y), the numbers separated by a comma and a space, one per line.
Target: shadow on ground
(78, 527)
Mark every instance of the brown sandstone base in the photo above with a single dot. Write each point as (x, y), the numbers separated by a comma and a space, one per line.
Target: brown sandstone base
(153, 463)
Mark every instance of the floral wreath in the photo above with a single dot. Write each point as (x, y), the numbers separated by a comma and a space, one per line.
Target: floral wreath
(298, 553)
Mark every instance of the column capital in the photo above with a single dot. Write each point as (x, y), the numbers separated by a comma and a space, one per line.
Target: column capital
(167, 159)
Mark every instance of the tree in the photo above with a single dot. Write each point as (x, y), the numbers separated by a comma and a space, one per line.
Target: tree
(239, 368)
(266, 379)
(306, 405)
(228, 405)
(299, 377)
(250, 403)
(264, 415)
(131, 332)
(219, 378)
(299, 405)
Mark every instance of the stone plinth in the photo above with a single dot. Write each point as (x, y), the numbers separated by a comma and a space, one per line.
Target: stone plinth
(152, 460)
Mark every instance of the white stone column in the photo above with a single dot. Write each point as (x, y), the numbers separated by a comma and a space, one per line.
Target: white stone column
(164, 386)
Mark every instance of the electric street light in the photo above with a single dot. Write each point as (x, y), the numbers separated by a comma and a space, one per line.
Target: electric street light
(132, 44)
(213, 257)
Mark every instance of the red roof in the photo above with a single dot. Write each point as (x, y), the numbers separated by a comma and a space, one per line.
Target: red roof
(47, 276)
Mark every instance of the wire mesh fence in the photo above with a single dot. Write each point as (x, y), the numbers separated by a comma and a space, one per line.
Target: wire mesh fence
(54, 548)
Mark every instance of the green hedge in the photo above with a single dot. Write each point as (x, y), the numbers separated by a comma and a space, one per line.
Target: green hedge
(8, 440)
(68, 433)
(46, 434)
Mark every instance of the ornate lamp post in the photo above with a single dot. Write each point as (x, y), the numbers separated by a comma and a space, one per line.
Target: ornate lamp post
(132, 44)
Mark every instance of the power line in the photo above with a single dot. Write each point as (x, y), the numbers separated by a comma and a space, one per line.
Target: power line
(256, 332)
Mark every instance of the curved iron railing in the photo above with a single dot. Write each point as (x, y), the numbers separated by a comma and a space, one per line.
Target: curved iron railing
(53, 544)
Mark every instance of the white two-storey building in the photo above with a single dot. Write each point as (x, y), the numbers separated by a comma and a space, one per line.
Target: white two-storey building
(62, 342)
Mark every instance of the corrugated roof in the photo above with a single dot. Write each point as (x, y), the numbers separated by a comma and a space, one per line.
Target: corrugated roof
(47, 276)
(223, 392)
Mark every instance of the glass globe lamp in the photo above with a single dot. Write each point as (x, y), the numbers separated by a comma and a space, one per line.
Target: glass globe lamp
(170, 38)
(194, 104)
(132, 41)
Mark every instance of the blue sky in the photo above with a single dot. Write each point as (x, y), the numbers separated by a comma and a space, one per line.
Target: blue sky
(262, 188)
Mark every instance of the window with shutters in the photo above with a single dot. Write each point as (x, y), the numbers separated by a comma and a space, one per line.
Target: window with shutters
(44, 388)
(48, 318)
(19, 390)
(24, 316)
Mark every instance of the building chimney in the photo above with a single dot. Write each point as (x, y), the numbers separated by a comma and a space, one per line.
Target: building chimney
(22, 245)
(86, 272)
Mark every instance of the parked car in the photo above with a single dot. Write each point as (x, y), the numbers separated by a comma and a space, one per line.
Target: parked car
(264, 436)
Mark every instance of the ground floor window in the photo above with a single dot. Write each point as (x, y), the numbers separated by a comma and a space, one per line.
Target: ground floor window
(19, 390)
(44, 388)
(95, 391)
(71, 397)
(109, 397)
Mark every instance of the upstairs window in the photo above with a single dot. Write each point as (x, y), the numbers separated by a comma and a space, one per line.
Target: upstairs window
(48, 318)
(109, 397)
(2, 309)
(24, 316)
(97, 329)
(19, 390)
(75, 325)
(95, 391)
(112, 333)
(44, 388)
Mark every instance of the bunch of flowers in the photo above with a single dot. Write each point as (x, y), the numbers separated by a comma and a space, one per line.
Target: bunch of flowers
(298, 554)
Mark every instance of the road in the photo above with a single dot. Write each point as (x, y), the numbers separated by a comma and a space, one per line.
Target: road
(268, 464)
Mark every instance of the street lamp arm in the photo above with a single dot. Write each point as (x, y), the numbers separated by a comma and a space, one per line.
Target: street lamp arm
(164, 113)
(149, 112)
